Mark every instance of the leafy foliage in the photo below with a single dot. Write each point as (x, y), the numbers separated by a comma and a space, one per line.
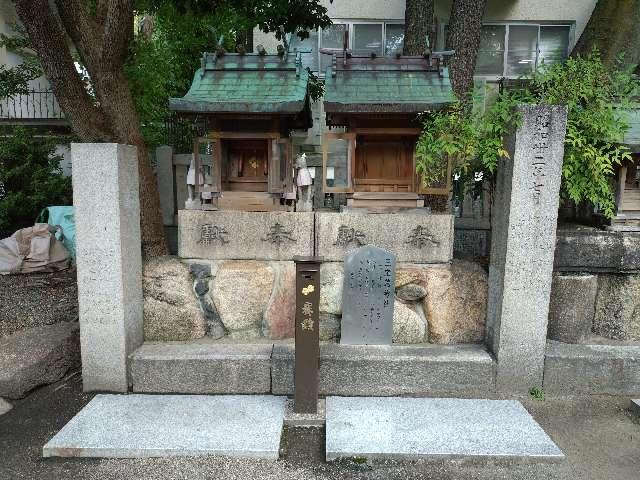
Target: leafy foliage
(15, 80)
(278, 16)
(594, 94)
(316, 86)
(30, 179)
(162, 66)
(471, 140)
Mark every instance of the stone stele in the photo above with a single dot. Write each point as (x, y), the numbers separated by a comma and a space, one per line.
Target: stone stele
(414, 238)
(234, 235)
(109, 259)
(525, 215)
(368, 297)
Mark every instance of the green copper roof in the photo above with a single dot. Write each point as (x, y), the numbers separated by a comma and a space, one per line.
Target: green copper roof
(248, 83)
(392, 87)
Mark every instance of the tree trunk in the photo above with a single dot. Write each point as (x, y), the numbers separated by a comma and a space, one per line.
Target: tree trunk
(465, 26)
(614, 28)
(102, 44)
(418, 26)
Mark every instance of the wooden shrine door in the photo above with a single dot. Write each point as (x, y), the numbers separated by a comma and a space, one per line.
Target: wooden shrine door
(247, 168)
(384, 163)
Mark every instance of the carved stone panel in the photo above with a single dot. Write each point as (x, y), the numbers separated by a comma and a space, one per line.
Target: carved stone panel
(235, 235)
(368, 297)
(411, 237)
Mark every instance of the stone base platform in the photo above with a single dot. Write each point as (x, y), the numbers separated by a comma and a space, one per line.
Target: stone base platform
(202, 368)
(131, 426)
(237, 368)
(434, 429)
(399, 370)
(592, 369)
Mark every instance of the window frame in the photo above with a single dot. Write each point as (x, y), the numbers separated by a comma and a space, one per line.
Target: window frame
(570, 24)
(350, 28)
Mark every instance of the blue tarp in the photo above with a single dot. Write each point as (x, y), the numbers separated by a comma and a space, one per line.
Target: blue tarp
(64, 217)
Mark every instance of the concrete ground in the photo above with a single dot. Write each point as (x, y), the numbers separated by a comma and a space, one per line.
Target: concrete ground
(599, 436)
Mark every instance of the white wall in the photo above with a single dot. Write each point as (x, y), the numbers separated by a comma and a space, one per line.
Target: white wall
(7, 18)
(577, 11)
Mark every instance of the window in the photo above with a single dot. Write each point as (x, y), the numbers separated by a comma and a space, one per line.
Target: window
(394, 39)
(522, 50)
(491, 52)
(516, 49)
(365, 38)
(554, 44)
(308, 48)
(333, 38)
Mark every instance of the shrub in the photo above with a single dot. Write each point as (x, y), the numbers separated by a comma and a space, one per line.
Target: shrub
(594, 95)
(30, 179)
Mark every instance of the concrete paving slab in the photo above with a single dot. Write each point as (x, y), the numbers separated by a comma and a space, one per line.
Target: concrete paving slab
(132, 426)
(635, 407)
(434, 428)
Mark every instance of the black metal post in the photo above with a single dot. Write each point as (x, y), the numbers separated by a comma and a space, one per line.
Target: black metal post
(307, 335)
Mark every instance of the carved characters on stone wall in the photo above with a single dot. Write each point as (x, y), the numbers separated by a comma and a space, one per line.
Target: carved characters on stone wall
(348, 235)
(210, 234)
(278, 235)
(421, 237)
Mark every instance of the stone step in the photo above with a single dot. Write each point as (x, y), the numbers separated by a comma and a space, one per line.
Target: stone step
(434, 429)
(202, 368)
(592, 369)
(226, 368)
(396, 370)
(131, 426)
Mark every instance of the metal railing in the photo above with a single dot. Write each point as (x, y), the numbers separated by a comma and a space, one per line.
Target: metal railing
(38, 104)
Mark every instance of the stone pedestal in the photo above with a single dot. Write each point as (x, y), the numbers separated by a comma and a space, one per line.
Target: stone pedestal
(107, 214)
(524, 223)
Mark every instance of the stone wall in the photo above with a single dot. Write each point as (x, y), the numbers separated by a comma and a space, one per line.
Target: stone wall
(251, 299)
(596, 287)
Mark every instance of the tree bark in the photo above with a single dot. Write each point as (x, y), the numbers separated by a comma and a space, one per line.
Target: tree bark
(418, 26)
(102, 42)
(465, 26)
(614, 28)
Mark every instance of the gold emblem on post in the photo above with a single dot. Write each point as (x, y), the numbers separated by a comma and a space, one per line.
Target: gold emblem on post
(307, 324)
(308, 289)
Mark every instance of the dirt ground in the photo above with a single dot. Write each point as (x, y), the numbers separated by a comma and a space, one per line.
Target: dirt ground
(599, 436)
(36, 299)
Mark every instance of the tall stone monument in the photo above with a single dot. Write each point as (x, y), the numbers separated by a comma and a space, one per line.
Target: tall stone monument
(107, 215)
(525, 214)
(368, 297)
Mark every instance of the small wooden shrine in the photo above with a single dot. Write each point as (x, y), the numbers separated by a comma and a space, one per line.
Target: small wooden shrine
(245, 106)
(628, 178)
(373, 104)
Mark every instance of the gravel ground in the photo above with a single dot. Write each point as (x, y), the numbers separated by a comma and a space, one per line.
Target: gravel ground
(31, 300)
(599, 436)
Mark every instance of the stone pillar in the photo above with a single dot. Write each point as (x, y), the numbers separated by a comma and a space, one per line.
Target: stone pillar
(524, 221)
(164, 172)
(107, 214)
